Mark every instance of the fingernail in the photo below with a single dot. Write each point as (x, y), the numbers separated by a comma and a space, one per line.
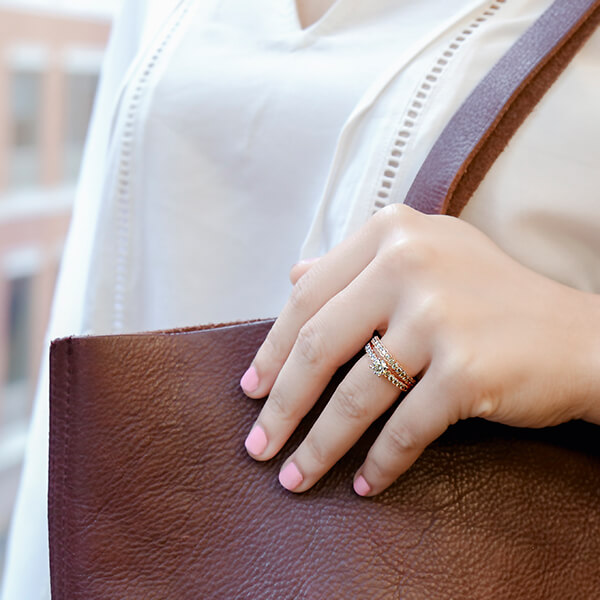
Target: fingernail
(256, 442)
(249, 380)
(307, 261)
(361, 487)
(290, 478)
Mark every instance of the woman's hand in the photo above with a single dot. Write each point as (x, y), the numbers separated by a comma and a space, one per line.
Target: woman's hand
(485, 336)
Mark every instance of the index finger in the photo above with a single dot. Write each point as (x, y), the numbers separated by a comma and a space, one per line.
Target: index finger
(330, 275)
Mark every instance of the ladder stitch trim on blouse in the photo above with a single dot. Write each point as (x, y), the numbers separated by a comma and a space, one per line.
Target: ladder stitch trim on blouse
(123, 191)
(418, 102)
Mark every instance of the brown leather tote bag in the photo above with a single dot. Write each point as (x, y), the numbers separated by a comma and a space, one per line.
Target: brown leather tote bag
(152, 494)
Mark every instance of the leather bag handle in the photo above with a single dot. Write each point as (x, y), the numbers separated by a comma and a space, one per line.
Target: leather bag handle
(483, 125)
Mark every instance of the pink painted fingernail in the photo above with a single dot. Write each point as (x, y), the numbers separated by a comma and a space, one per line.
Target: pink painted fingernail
(290, 477)
(249, 381)
(256, 442)
(361, 487)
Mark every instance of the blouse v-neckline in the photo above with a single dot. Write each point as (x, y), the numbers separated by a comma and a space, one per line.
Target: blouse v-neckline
(316, 24)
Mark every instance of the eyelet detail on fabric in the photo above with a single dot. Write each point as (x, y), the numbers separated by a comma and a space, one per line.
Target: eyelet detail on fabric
(418, 102)
(123, 189)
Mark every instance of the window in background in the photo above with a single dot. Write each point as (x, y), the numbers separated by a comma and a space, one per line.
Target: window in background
(81, 89)
(21, 267)
(19, 310)
(19, 272)
(16, 407)
(49, 66)
(25, 93)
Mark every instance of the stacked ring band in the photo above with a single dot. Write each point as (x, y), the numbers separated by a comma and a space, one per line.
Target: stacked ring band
(383, 364)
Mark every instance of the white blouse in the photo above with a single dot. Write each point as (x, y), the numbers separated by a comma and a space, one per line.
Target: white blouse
(228, 142)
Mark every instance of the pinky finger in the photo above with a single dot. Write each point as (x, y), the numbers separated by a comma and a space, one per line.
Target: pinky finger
(419, 420)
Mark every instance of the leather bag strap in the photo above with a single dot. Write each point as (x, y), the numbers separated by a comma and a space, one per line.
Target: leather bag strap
(483, 125)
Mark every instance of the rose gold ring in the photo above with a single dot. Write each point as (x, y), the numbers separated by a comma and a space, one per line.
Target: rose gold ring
(383, 364)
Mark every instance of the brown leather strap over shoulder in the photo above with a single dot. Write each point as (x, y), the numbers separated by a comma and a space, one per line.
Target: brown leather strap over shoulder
(483, 125)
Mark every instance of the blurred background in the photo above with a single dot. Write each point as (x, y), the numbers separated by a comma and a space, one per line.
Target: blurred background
(50, 57)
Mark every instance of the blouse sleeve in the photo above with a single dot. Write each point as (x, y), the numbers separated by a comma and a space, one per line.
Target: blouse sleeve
(27, 547)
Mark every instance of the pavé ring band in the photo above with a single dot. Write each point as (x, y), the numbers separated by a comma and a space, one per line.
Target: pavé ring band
(383, 364)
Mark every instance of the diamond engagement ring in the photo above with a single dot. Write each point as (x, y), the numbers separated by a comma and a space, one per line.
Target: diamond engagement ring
(383, 364)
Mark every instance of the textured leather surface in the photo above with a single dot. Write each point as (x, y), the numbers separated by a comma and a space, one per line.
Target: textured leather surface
(484, 124)
(152, 494)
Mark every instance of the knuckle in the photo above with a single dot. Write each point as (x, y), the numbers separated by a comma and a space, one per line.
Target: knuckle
(381, 469)
(350, 402)
(394, 218)
(484, 407)
(400, 439)
(316, 451)
(282, 410)
(432, 311)
(387, 215)
(271, 348)
(460, 368)
(310, 345)
(412, 253)
(301, 295)
(463, 384)
(478, 399)
(395, 212)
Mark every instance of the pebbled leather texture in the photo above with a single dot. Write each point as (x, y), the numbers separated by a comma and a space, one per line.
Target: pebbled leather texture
(482, 127)
(153, 496)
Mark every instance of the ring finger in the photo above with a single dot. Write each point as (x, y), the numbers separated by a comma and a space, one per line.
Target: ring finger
(358, 401)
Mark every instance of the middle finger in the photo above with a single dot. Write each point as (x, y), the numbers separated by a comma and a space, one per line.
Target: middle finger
(357, 402)
(327, 341)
